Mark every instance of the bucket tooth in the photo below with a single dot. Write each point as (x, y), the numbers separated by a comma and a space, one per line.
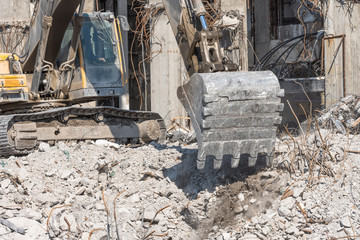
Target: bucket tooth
(277, 120)
(217, 163)
(235, 162)
(200, 164)
(234, 114)
(219, 155)
(248, 147)
(210, 150)
(232, 149)
(252, 161)
(203, 151)
(280, 107)
(281, 93)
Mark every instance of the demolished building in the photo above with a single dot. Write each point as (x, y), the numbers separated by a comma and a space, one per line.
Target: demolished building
(313, 42)
(101, 189)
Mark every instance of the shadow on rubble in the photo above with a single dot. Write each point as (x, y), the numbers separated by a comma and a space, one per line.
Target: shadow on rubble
(192, 181)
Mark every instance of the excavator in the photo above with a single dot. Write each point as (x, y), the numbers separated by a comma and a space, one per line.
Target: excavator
(73, 59)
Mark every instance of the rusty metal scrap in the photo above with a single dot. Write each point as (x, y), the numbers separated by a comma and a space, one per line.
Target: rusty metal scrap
(48, 220)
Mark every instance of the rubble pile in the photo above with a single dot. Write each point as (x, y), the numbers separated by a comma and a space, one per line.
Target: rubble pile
(318, 203)
(102, 190)
(320, 199)
(343, 115)
(76, 190)
(95, 189)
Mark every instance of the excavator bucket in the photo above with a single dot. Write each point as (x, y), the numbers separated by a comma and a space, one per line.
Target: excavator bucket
(235, 116)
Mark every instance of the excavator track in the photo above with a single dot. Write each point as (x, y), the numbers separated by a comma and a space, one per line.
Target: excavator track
(9, 138)
(235, 116)
(5, 148)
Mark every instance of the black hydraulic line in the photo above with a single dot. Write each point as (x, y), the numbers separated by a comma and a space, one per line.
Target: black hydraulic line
(292, 47)
(267, 56)
(26, 49)
(47, 21)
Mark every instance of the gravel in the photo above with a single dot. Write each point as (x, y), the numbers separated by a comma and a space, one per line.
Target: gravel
(96, 190)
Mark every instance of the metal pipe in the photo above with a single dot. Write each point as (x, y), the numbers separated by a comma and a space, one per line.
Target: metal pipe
(203, 22)
(40, 55)
(200, 11)
(122, 10)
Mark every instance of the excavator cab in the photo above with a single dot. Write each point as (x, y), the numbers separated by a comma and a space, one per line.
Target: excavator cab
(99, 65)
(98, 44)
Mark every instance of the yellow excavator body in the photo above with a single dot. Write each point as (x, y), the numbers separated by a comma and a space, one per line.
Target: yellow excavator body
(11, 83)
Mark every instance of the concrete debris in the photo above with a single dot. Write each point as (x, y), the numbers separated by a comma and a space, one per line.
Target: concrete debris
(231, 20)
(182, 136)
(12, 226)
(5, 183)
(44, 147)
(345, 222)
(311, 191)
(241, 197)
(342, 115)
(104, 143)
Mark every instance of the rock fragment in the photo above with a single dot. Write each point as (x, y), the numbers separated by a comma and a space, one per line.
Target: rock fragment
(241, 197)
(291, 230)
(345, 222)
(65, 174)
(50, 173)
(5, 183)
(44, 147)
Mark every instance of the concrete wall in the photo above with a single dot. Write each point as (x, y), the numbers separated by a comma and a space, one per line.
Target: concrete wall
(262, 27)
(342, 20)
(268, 36)
(14, 19)
(167, 72)
(15, 11)
(265, 38)
(89, 6)
(341, 68)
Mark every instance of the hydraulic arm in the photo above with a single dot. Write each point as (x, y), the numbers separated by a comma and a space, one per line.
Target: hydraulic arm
(234, 113)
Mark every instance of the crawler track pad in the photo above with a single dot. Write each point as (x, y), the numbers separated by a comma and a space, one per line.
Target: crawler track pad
(234, 114)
